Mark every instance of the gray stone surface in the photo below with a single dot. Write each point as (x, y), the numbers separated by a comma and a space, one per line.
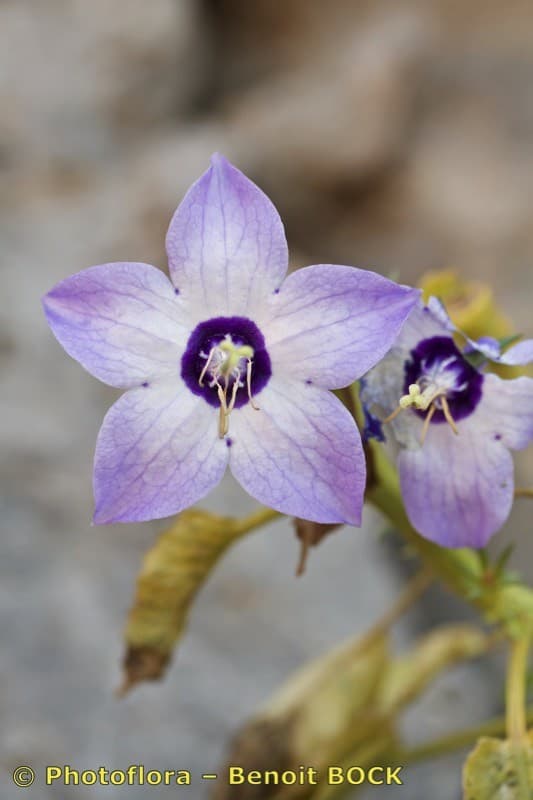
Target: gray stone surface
(64, 592)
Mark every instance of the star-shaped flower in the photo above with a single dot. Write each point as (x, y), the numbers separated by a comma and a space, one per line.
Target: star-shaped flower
(229, 363)
(455, 424)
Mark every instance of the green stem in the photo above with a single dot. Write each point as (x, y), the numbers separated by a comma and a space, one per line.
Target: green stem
(254, 520)
(516, 690)
(510, 605)
(456, 740)
(412, 592)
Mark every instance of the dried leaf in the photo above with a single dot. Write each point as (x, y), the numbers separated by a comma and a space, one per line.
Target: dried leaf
(499, 770)
(321, 713)
(310, 534)
(172, 573)
(342, 709)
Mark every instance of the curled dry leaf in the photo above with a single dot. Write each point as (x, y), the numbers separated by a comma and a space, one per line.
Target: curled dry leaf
(172, 573)
(323, 711)
(343, 709)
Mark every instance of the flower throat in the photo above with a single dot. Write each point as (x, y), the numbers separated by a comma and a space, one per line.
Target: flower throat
(440, 385)
(227, 364)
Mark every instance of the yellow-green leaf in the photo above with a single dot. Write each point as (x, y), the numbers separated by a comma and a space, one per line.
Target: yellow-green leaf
(323, 711)
(342, 709)
(499, 770)
(172, 573)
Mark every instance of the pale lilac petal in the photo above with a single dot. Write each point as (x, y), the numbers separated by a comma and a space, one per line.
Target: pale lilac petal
(380, 392)
(301, 453)
(330, 324)
(226, 244)
(519, 354)
(384, 384)
(123, 322)
(457, 490)
(425, 322)
(373, 425)
(439, 313)
(506, 411)
(488, 346)
(157, 453)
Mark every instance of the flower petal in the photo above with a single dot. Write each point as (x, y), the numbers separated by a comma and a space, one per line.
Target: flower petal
(330, 324)
(457, 490)
(383, 385)
(488, 346)
(301, 453)
(157, 453)
(506, 410)
(380, 392)
(519, 354)
(226, 244)
(122, 322)
(438, 311)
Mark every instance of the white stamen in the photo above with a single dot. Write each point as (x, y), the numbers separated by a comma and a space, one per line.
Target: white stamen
(236, 385)
(249, 384)
(425, 427)
(224, 361)
(206, 365)
(448, 416)
(431, 399)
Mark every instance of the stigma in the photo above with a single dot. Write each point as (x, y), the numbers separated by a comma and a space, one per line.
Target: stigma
(228, 367)
(430, 399)
(440, 386)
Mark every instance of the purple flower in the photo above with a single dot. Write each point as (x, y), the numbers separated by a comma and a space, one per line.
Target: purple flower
(455, 425)
(229, 363)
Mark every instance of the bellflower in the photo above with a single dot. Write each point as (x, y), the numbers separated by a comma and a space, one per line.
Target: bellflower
(455, 424)
(227, 363)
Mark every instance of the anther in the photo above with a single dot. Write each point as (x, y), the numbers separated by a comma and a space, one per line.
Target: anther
(425, 401)
(414, 398)
(223, 362)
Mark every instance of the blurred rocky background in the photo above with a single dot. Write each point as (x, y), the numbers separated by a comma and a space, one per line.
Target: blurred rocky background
(392, 135)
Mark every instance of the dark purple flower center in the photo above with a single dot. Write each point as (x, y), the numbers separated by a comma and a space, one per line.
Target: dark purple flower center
(436, 364)
(203, 363)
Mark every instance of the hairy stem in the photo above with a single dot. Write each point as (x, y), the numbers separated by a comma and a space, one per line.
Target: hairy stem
(515, 694)
(457, 740)
(412, 592)
(507, 604)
